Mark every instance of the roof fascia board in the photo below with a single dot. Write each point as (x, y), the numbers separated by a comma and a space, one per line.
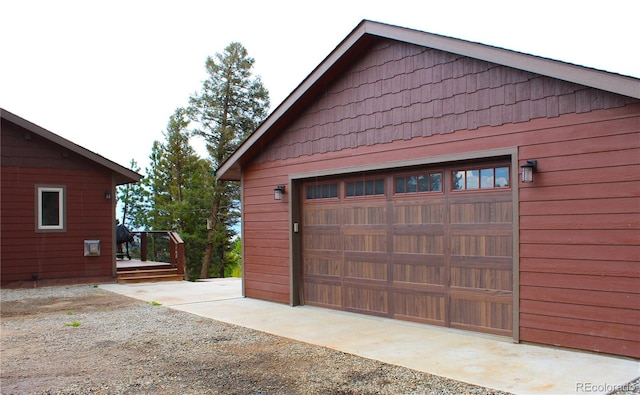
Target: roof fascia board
(599, 79)
(32, 127)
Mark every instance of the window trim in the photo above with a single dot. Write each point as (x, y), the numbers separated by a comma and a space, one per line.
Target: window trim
(62, 217)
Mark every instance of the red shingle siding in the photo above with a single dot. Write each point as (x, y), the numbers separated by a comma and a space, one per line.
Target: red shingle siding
(399, 91)
(27, 163)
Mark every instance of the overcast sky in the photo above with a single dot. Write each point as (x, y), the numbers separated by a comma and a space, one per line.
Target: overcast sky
(108, 74)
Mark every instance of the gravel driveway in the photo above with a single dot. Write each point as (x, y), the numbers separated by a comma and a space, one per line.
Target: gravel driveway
(86, 340)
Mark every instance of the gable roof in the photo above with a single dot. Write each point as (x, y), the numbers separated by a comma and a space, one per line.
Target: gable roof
(122, 174)
(366, 31)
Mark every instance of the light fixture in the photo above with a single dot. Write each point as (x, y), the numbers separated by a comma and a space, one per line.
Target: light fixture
(107, 194)
(278, 192)
(527, 170)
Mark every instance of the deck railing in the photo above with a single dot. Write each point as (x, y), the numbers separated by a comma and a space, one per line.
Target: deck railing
(159, 246)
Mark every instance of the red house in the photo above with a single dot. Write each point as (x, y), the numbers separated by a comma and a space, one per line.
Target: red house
(390, 182)
(57, 207)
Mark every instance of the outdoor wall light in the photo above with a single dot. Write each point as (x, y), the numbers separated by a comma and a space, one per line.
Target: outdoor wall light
(527, 170)
(278, 192)
(107, 194)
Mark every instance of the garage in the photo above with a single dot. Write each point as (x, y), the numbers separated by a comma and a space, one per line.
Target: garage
(431, 244)
(378, 187)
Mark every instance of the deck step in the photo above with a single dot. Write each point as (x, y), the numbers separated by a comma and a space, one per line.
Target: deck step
(148, 275)
(145, 267)
(146, 272)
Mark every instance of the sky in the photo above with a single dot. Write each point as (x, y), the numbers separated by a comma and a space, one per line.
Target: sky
(107, 75)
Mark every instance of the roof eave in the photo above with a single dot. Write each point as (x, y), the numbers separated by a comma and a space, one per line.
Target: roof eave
(123, 175)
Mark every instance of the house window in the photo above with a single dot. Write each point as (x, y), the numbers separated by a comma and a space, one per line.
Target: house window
(321, 191)
(50, 201)
(418, 183)
(371, 187)
(483, 178)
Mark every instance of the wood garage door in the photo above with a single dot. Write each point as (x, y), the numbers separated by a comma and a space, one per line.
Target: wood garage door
(432, 245)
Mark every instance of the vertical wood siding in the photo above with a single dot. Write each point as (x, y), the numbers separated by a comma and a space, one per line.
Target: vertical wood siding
(579, 221)
(54, 256)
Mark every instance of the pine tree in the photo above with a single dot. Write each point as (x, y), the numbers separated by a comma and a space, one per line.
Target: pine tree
(193, 213)
(132, 200)
(230, 105)
(180, 184)
(158, 181)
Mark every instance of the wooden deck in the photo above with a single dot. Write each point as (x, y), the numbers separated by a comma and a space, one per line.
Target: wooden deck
(137, 271)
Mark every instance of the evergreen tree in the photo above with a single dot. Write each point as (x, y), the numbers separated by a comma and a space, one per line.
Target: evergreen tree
(235, 269)
(158, 181)
(180, 184)
(193, 213)
(230, 105)
(132, 200)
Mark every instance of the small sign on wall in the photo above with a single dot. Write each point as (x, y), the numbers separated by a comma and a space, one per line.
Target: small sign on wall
(92, 248)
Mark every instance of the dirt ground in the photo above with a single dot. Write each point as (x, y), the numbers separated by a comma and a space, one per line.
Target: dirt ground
(27, 365)
(102, 343)
(42, 307)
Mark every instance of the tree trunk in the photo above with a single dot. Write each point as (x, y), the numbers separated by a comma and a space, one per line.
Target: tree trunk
(221, 260)
(208, 252)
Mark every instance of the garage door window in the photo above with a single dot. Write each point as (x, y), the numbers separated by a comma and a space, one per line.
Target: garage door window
(374, 187)
(418, 183)
(321, 191)
(484, 178)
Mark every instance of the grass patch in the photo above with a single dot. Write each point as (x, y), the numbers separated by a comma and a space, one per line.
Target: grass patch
(74, 324)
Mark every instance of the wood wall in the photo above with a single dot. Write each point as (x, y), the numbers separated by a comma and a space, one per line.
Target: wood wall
(53, 256)
(580, 238)
(579, 251)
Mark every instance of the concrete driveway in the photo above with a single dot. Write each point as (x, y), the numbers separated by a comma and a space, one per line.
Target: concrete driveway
(485, 360)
